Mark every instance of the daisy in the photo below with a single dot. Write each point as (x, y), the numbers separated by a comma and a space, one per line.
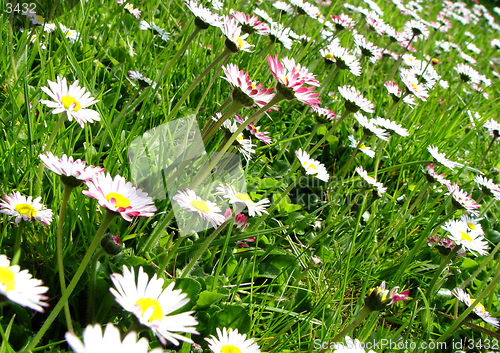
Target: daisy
(467, 74)
(73, 173)
(230, 341)
(472, 224)
(467, 58)
(323, 115)
(415, 28)
(69, 33)
(250, 24)
(363, 148)
(367, 49)
(25, 208)
(413, 85)
(19, 286)
(281, 34)
(479, 308)
(291, 79)
(371, 181)
(493, 128)
(72, 100)
(312, 166)
(488, 187)
(354, 100)
(343, 22)
(254, 130)
(391, 126)
(305, 8)
(343, 58)
(396, 93)
(188, 200)
(376, 24)
(369, 127)
(244, 146)
(153, 305)
(118, 195)
(136, 12)
(143, 80)
(245, 91)
(444, 245)
(433, 177)
(164, 35)
(441, 158)
(204, 18)
(263, 14)
(229, 192)
(235, 41)
(95, 342)
(283, 7)
(462, 200)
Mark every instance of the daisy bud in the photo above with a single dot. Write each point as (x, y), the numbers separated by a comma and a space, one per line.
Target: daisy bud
(377, 298)
(111, 244)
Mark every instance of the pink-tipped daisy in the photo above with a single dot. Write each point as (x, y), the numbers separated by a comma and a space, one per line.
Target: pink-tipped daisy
(312, 166)
(25, 208)
(323, 115)
(72, 100)
(445, 245)
(19, 287)
(354, 100)
(245, 91)
(343, 22)
(235, 41)
(479, 308)
(493, 128)
(462, 200)
(118, 195)
(254, 130)
(73, 173)
(209, 211)
(433, 177)
(413, 85)
(396, 93)
(291, 80)
(153, 305)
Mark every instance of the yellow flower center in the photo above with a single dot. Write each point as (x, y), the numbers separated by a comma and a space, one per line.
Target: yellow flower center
(240, 138)
(7, 278)
(465, 236)
(130, 7)
(362, 146)
(230, 349)
(200, 205)
(67, 101)
(370, 178)
(285, 80)
(253, 86)
(479, 306)
(68, 33)
(146, 303)
(26, 210)
(239, 43)
(471, 225)
(242, 196)
(414, 86)
(329, 57)
(40, 18)
(436, 61)
(120, 200)
(311, 166)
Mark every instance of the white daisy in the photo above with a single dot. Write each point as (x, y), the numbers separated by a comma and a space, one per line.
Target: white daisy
(371, 181)
(188, 200)
(369, 127)
(230, 341)
(263, 14)
(118, 195)
(283, 7)
(391, 126)
(204, 18)
(458, 231)
(19, 286)
(416, 29)
(153, 305)
(281, 34)
(343, 58)
(355, 101)
(235, 41)
(244, 146)
(488, 187)
(95, 342)
(229, 192)
(367, 49)
(312, 166)
(25, 208)
(473, 224)
(363, 148)
(479, 309)
(413, 85)
(441, 158)
(72, 173)
(73, 100)
(467, 74)
(493, 128)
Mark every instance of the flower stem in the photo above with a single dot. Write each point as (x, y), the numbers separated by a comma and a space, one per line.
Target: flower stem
(92, 281)
(333, 128)
(180, 51)
(59, 250)
(328, 78)
(485, 153)
(202, 249)
(79, 272)
(363, 314)
(193, 85)
(47, 147)
(153, 238)
(233, 109)
(167, 259)
(346, 168)
(216, 75)
(400, 58)
(379, 157)
(17, 244)
(444, 263)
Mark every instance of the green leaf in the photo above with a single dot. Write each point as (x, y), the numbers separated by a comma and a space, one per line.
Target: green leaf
(207, 298)
(231, 316)
(286, 205)
(468, 263)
